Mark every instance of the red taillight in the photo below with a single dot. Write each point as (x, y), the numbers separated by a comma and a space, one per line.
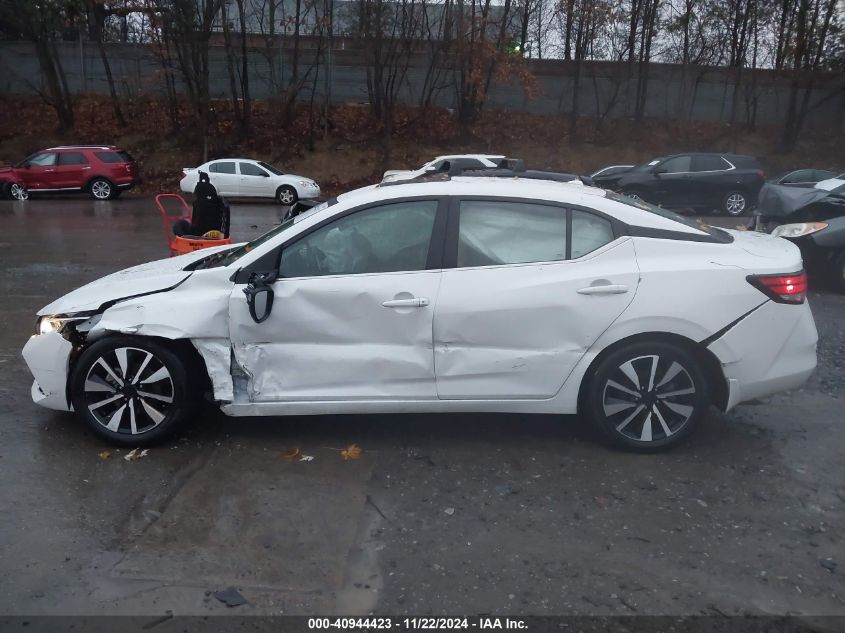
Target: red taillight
(762, 174)
(183, 176)
(791, 288)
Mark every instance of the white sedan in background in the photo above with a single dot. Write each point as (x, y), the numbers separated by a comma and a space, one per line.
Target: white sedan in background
(247, 178)
(469, 294)
(480, 161)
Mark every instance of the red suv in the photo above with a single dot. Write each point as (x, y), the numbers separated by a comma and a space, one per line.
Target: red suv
(104, 171)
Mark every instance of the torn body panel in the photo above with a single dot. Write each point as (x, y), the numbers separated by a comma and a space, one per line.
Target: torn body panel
(196, 309)
(48, 358)
(759, 361)
(217, 355)
(144, 279)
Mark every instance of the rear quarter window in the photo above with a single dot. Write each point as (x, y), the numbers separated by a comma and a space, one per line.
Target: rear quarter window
(111, 157)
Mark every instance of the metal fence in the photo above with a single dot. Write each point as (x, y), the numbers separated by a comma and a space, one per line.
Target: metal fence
(606, 88)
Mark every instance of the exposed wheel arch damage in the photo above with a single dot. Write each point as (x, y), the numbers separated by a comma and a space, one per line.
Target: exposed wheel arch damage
(710, 365)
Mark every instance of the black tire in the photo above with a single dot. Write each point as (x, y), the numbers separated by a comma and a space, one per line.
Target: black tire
(286, 195)
(735, 203)
(101, 189)
(636, 418)
(158, 410)
(838, 273)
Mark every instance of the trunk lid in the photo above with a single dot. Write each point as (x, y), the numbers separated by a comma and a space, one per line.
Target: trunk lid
(763, 253)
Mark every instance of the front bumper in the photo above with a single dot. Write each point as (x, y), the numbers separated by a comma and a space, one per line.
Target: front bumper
(48, 358)
(309, 193)
(772, 350)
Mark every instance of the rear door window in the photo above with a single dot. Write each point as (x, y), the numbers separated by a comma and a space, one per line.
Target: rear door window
(496, 232)
(72, 158)
(708, 163)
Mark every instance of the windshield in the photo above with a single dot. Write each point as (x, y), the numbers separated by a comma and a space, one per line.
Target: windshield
(224, 258)
(696, 223)
(271, 169)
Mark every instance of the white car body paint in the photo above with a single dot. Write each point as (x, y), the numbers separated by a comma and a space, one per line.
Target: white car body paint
(517, 338)
(241, 185)
(488, 160)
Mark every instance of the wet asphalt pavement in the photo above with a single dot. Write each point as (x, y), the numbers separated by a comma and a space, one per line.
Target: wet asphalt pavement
(457, 514)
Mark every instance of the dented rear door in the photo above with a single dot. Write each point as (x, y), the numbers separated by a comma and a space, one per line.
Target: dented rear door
(516, 331)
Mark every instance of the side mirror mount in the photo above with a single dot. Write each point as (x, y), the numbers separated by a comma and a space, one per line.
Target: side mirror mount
(658, 170)
(259, 296)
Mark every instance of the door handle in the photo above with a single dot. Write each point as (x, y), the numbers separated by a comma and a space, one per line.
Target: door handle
(606, 289)
(416, 302)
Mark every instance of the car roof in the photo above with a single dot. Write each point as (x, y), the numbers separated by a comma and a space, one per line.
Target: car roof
(454, 156)
(100, 147)
(576, 194)
(246, 160)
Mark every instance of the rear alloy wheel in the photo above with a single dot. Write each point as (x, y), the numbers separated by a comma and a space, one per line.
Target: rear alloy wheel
(18, 192)
(101, 189)
(131, 391)
(735, 203)
(648, 396)
(286, 195)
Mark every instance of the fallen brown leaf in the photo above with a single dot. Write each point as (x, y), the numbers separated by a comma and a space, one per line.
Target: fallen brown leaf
(290, 454)
(104, 454)
(353, 451)
(134, 455)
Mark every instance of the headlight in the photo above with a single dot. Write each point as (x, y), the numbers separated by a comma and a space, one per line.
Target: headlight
(798, 230)
(47, 324)
(308, 183)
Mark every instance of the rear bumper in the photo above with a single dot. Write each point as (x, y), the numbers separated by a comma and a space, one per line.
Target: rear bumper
(48, 358)
(772, 350)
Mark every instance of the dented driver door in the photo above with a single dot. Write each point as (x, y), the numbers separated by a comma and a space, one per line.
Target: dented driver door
(352, 312)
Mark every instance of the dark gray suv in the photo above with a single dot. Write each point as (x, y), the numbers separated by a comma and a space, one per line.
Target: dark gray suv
(728, 183)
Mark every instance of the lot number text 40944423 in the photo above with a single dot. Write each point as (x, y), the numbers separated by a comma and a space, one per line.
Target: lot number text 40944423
(422, 623)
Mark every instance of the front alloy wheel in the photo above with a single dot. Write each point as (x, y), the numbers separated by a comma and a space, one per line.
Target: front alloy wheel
(130, 391)
(18, 192)
(648, 396)
(101, 189)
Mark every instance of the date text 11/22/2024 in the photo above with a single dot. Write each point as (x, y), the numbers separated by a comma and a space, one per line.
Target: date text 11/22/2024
(422, 623)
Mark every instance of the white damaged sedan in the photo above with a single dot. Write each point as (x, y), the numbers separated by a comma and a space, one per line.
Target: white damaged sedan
(471, 294)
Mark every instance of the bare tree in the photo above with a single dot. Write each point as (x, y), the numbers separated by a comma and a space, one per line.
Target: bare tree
(40, 23)
(812, 24)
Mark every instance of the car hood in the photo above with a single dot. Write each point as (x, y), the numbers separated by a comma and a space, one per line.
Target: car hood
(293, 178)
(156, 276)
